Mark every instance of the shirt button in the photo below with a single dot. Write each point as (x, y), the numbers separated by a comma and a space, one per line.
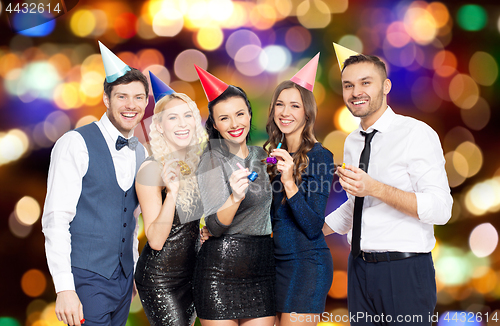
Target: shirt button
(123, 240)
(121, 254)
(125, 194)
(125, 209)
(124, 225)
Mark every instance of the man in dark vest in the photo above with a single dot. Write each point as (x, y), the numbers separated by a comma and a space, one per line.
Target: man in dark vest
(88, 219)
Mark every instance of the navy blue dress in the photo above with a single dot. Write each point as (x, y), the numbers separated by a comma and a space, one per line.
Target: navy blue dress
(304, 266)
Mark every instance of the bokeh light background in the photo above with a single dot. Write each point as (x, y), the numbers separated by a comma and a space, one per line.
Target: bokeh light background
(442, 58)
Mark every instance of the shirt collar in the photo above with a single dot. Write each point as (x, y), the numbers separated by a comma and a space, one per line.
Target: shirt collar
(383, 123)
(111, 129)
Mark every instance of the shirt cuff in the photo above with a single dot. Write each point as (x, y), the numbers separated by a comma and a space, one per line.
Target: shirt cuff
(429, 210)
(335, 224)
(64, 282)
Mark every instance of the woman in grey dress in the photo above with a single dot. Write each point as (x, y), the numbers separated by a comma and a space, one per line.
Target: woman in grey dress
(234, 279)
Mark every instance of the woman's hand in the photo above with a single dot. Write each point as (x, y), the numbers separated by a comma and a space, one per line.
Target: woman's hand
(285, 165)
(239, 184)
(204, 234)
(170, 175)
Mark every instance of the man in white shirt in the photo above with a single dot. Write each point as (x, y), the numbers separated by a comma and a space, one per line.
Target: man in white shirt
(88, 222)
(395, 165)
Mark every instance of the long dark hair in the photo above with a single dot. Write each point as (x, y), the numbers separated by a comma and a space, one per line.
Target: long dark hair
(215, 138)
(300, 158)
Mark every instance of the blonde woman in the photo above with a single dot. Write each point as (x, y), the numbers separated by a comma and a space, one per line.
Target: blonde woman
(169, 197)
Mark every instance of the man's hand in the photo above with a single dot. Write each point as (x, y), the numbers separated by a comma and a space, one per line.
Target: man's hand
(356, 182)
(69, 309)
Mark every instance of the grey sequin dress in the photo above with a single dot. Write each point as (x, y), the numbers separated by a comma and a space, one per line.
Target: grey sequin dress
(235, 272)
(164, 277)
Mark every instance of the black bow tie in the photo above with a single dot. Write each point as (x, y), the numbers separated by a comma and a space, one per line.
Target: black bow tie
(122, 142)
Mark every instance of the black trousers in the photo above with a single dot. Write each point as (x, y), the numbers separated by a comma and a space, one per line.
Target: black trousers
(400, 292)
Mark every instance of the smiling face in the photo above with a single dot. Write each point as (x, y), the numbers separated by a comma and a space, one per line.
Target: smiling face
(365, 92)
(177, 124)
(289, 113)
(232, 119)
(126, 106)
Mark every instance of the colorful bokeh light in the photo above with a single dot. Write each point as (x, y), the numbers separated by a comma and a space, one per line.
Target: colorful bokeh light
(275, 58)
(168, 23)
(27, 210)
(184, 64)
(472, 17)
(483, 68)
(83, 22)
(484, 239)
(33, 283)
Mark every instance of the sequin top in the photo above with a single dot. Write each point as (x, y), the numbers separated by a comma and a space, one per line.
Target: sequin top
(253, 214)
(298, 223)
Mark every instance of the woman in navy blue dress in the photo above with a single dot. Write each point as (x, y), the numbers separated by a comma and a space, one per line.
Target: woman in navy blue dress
(301, 182)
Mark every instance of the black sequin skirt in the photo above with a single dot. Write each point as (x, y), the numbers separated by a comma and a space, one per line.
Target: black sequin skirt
(235, 278)
(164, 278)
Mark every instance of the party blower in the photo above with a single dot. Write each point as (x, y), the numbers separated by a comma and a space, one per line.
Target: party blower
(274, 160)
(252, 176)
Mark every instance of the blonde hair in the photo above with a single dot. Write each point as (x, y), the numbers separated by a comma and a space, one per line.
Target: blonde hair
(163, 151)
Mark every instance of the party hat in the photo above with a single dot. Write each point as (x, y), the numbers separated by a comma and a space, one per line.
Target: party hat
(212, 85)
(114, 67)
(305, 77)
(343, 54)
(160, 89)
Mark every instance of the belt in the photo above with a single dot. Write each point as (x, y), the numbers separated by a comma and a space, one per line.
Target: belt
(373, 257)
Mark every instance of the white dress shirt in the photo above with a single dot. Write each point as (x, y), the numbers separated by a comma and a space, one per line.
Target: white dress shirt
(69, 162)
(405, 154)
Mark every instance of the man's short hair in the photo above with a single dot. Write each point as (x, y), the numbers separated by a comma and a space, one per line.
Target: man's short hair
(130, 76)
(367, 58)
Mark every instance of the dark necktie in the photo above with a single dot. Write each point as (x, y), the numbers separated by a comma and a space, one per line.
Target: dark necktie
(122, 142)
(358, 202)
